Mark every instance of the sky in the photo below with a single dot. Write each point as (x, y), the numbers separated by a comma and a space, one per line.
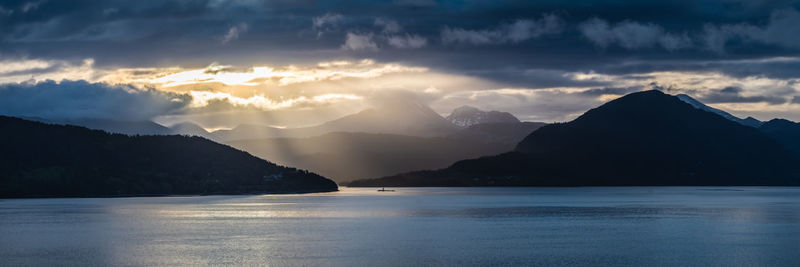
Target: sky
(220, 63)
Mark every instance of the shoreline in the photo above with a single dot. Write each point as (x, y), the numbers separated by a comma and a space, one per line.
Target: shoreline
(175, 195)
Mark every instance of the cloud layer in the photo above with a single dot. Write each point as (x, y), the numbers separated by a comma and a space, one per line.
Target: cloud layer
(542, 60)
(518, 31)
(80, 99)
(632, 35)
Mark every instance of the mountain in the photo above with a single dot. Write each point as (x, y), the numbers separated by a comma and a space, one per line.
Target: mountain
(644, 138)
(752, 122)
(191, 129)
(123, 127)
(249, 131)
(784, 132)
(403, 118)
(345, 156)
(46, 160)
(132, 127)
(466, 116)
(749, 121)
(111, 126)
(500, 133)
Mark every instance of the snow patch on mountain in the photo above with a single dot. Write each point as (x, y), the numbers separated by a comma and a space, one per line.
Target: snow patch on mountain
(466, 116)
(749, 121)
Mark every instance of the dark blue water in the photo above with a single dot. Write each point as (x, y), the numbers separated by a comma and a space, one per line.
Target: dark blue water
(739, 226)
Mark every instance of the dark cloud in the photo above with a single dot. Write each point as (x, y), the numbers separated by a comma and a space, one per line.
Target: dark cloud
(521, 44)
(612, 91)
(731, 90)
(407, 41)
(535, 78)
(772, 67)
(359, 41)
(326, 23)
(632, 35)
(518, 31)
(388, 25)
(150, 32)
(775, 31)
(732, 94)
(234, 32)
(79, 99)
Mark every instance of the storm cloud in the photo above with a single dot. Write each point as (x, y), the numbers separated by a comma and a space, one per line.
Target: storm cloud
(734, 95)
(515, 32)
(546, 60)
(780, 30)
(632, 35)
(80, 99)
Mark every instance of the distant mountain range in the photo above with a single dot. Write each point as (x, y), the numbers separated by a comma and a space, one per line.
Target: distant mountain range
(47, 160)
(399, 118)
(389, 139)
(417, 138)
(132, 127)
(344, 156)
(784, 131)
(466, 116)
(644, 138)
(402, 118)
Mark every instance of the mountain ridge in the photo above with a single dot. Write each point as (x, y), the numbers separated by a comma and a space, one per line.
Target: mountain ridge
(50, 160)
(466, 116)
(644, 138)
(406, 118)
(749, 121)
(785, 132)
(346, 156)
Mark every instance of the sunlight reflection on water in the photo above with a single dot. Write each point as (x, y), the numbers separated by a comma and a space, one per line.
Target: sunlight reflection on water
(414, 226)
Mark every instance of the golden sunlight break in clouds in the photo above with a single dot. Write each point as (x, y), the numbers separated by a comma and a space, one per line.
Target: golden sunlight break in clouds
(266, 87)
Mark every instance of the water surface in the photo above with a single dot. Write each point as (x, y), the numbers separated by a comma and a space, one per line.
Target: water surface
(721, 226)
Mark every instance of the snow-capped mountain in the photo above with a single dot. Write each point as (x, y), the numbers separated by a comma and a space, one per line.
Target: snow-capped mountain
(466, 116)
(749, 121)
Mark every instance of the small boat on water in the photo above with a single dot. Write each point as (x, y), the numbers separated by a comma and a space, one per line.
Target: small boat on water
(383, 189)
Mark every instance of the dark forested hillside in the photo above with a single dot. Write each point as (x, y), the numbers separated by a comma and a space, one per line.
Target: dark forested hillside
(784, 132)
(38, 159)
(645, 138)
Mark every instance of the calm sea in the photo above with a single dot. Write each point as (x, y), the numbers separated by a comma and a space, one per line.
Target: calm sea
(622, 226)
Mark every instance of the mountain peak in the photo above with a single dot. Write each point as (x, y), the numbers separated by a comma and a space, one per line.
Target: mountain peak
(647, 113)
(644, 138)
(466, 116)
(192, 129)
(407, 108)
(749, 121)
(752, 122)
(396, 117)
(465, 108)
(779, 121)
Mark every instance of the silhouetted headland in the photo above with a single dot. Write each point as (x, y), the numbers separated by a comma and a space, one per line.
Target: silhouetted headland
(46, 160)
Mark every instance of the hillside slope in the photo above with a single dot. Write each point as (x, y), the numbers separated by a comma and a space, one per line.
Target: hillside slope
(644, 138)
(44, 160)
